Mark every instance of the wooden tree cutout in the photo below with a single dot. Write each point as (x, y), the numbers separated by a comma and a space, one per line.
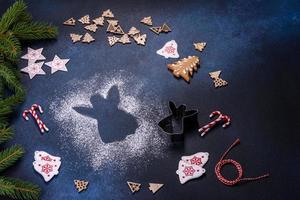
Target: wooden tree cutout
(87, 38)
(108, 14)
(112, 40)
(85, 19)
(154, 187)
(156, 30)
(133, 31)
(75, 37)
(200, 46)
(165, 28)
(218, 81)
(184, 68)
(124, 39)
(99, 21)
(92, 27)
(147, 21)
(134, 187)
(81, 185)
(70, 22)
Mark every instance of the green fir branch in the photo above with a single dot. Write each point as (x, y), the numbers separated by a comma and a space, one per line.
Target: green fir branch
(10, 47)
(9, 156)
(6, 133)
(34, 31)
(12, 82)
(12, 15)
(18, 189)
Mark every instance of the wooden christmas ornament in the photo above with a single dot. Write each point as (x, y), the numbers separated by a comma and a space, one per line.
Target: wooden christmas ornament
(70, 22)
(112, 40)
(92, 27)
(147, 21)
(124, 39)
(81, 185)
(110, 28)
(185, 67)
(107, 13)
(200, 46)
(134, 187)
(140, 39)
(165, 28)
(113, 22)
(118, 30)
(75, 37)
(99, 21)
(156, 30)
(85, 19)
(154, 187)
(87, 38)
(133, 31)
(218, 81)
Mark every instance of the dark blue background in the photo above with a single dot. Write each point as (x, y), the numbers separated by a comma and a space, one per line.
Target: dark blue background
(254, 43)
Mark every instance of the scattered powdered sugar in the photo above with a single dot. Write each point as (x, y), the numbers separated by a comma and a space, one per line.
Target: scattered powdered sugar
(80, 133)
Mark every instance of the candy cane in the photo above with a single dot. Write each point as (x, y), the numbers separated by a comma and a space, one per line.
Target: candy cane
(33, 112)
(221, 117)
(237, 165)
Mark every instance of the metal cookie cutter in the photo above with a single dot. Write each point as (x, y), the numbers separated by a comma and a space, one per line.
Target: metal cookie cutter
(178, 121)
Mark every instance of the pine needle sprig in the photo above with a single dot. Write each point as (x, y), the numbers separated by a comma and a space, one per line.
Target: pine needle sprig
(10, 47)
(9, 156)
(34, 31)
(12, 15)
(18, 189)
(6, 133)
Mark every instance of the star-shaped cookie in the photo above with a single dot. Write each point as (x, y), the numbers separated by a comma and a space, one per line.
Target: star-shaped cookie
(57, 64)
(34, 69)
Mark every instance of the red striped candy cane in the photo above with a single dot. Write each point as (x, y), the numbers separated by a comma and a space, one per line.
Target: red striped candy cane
(221, 117)
(34, 114)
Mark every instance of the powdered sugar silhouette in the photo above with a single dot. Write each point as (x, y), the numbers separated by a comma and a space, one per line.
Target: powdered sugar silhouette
(113, 124)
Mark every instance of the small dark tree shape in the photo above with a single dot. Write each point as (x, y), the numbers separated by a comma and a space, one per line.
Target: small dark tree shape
(114, 124)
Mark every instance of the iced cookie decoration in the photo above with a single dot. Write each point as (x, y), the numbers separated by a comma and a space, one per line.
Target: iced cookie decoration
(46, 165)
(199, 159)
(169, 50)
(190, 167)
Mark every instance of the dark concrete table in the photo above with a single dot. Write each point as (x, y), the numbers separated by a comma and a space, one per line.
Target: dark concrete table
(254, 43)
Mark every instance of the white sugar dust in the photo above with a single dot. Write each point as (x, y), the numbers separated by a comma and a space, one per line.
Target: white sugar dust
(80, 134)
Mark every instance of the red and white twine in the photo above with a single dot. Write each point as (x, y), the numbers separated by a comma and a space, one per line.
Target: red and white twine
(237, 165)
(221, 117)
(34, 114)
